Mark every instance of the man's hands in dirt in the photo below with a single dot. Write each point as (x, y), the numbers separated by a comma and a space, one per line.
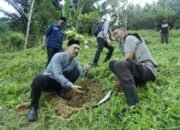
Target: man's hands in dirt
(77, 89)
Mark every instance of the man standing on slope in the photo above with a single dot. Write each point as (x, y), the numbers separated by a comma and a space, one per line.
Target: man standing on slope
(53, 38)
(104, 40)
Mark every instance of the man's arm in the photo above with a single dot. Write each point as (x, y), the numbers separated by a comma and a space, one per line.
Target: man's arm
(58, 72)
(106, 32)
(130, 46)
(129, 56)
(47, 33)
(43, 44)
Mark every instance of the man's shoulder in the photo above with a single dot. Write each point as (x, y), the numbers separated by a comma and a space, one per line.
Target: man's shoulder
(60, 54)
(134, 36)
(131, 38)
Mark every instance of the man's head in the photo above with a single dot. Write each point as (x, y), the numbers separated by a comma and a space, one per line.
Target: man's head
(119, 33)
(73, 48)
(62, 21)
(114, 18)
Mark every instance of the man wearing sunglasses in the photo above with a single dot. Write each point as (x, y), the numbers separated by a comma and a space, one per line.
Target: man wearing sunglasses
(53, 38)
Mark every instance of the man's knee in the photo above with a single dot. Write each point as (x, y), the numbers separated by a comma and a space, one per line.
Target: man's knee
(120, 64)
(116, 65)
(37, 81)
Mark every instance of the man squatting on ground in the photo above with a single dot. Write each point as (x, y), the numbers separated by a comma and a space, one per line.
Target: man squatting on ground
(138, 65)
(60, 74)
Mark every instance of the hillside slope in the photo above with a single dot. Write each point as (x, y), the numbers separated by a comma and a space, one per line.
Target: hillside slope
(159, 106)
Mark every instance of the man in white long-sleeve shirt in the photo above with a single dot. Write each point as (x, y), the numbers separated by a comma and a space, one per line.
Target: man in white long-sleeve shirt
(104, 40)
(60, 75)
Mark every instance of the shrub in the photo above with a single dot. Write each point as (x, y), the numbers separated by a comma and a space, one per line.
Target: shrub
(16, 40)
(87, 21)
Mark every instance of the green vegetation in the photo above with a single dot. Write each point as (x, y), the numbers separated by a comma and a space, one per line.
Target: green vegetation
(159, 101)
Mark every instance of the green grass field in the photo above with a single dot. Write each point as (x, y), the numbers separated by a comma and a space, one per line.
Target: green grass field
(159, 107)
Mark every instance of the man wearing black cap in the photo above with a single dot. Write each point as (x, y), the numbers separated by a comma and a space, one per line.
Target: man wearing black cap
(60, 75)
(53, 38)
(138, 65)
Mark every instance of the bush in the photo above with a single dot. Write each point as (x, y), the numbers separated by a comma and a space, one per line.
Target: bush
(87, 21)
(16, 40)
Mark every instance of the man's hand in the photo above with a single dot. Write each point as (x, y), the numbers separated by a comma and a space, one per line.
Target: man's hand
(77, 88)
(117, 85)
(43, 45)
(109, 42)
(86, 69)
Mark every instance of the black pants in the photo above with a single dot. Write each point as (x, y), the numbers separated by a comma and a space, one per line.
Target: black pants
(101, 44)
(51, 52)
(131, 73)
(47, 84)
(164, 37)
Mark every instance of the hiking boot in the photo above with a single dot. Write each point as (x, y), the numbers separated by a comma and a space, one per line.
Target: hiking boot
(64, 94)
(32, 114)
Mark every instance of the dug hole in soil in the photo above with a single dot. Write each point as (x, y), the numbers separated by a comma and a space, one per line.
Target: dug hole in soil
(66, 108)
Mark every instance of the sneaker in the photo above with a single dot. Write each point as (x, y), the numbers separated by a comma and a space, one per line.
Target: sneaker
(32, 114)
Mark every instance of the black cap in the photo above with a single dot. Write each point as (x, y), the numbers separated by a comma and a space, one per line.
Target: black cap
(72, 41)
(62, 18)
(114, 15)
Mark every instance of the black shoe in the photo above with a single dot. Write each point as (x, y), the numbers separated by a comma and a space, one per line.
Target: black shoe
(32, 114)
(64, 94)
(94, 65)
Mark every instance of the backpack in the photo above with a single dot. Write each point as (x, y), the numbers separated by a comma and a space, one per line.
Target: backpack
(97, 29)
(134, 34)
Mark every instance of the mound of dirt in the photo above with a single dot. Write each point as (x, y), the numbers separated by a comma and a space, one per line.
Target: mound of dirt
(65, 108)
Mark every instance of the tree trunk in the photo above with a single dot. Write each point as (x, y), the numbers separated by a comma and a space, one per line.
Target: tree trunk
(28, 25)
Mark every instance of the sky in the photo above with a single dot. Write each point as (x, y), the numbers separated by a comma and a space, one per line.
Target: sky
(5, 6)
(141, 2)
(8, 8)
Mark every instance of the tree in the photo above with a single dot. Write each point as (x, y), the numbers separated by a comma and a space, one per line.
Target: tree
(19, 19)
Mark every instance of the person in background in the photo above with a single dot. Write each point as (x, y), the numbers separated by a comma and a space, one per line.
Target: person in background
(164, 28)
(53, 38)
(138, 65)
(104, 40)
(61, 73)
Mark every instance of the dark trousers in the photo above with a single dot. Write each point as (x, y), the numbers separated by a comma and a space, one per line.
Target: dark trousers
(51, 51)
(47, 84)
(164, 37)
(101, 44)
(131, 73)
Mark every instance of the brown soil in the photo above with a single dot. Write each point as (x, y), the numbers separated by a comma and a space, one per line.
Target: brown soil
(65, 108)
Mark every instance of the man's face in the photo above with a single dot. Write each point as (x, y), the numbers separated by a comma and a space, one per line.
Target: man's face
(118, 34)
(114, 19)
(61, 23)
(73, 50)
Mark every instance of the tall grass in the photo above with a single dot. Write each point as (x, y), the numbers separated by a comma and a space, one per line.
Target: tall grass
(159, 106)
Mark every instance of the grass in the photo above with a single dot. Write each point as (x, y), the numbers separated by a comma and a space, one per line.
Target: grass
(159, 106)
